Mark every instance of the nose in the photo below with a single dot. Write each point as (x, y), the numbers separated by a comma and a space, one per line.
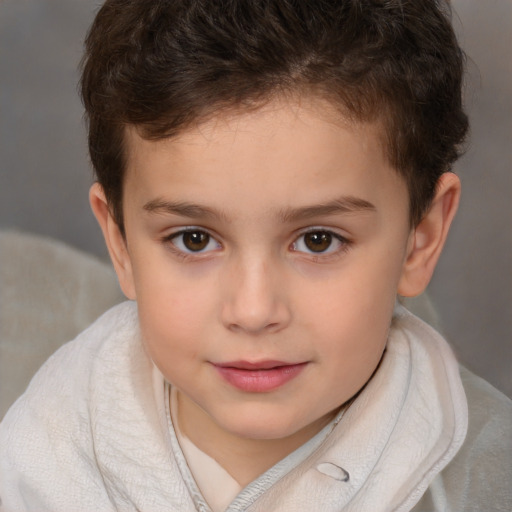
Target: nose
(255, 298)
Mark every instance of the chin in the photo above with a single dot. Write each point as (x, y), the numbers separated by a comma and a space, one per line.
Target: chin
(264, 427)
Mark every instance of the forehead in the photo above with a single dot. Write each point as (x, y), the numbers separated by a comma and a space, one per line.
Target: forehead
(289, 150)
(288, 110)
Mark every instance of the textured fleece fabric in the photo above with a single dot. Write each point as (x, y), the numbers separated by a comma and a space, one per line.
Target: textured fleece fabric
(93, 433)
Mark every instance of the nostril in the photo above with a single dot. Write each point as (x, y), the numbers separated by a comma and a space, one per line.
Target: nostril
(334, 471)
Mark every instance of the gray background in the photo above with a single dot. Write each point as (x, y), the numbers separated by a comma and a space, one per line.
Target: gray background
(45, 175)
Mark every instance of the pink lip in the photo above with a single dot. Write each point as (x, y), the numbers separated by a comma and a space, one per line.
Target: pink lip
(258, 377)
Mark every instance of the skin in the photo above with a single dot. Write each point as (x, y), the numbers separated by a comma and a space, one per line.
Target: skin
(255, 183)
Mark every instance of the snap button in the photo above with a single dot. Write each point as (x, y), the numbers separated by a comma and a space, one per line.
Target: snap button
(330, 469)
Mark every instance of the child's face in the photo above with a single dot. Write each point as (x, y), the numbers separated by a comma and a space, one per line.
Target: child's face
(265, 250)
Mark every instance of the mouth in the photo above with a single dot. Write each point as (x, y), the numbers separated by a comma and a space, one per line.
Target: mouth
(259, 377)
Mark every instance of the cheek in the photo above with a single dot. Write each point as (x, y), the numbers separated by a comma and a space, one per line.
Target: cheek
(352, 316)
(351, 344)
(170, 339)
(174, 318)
(359, 295)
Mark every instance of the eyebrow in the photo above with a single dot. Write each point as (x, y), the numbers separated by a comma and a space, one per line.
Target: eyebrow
(348, 204)
(343, 205)
(181, 208)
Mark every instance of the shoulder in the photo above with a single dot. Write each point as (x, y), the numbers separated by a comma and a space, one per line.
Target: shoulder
(68, 372)
(487, 405)
(487, 449)
(480, 475)
(48, 432)
(488, 445)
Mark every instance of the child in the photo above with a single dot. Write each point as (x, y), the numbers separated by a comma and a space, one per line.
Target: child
(271, 175)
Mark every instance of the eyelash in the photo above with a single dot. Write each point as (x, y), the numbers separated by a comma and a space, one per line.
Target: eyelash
(169, 241)
(344, 243)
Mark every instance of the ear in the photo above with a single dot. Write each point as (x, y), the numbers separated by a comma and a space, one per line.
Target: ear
(428, 238)
(114, 239)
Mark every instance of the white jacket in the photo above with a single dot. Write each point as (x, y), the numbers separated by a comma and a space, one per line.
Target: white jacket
(93, 433)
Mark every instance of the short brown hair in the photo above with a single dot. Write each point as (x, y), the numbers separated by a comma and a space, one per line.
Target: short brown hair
(162, 65)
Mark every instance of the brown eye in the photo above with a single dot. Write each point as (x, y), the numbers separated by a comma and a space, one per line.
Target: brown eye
(318, 241)
(193, 241)
(196, 240)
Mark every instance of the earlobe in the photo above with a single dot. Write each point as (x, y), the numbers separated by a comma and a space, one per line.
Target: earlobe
(114, 239)
(428, 238)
